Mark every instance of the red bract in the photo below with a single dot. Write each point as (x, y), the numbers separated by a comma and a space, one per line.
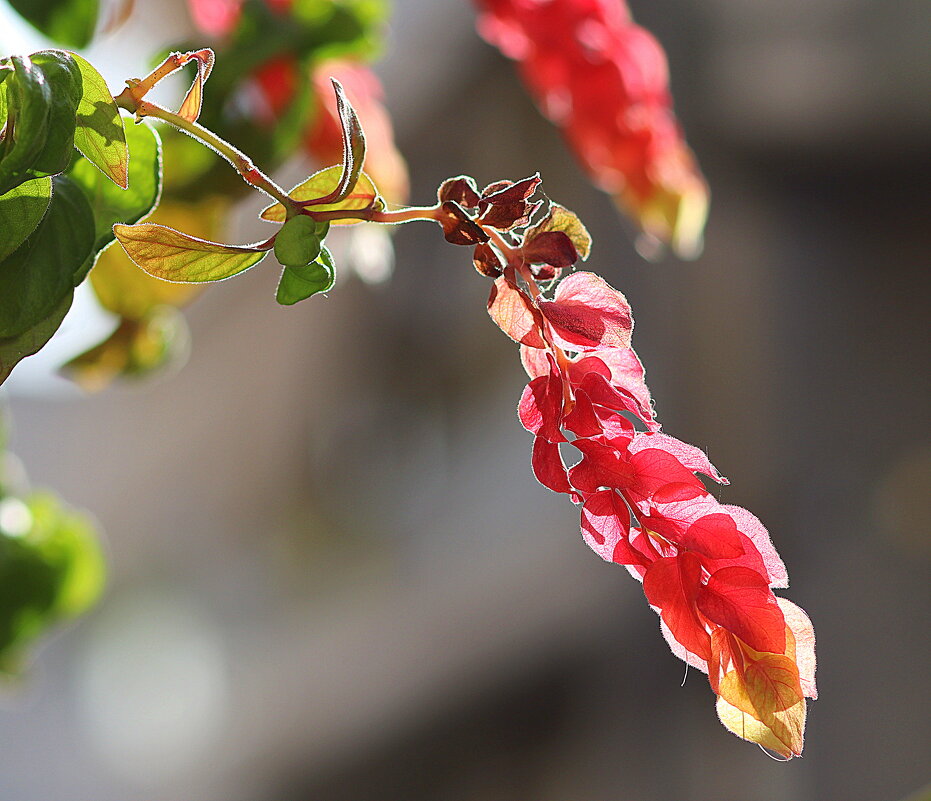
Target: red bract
(604, 81)
(708, 569)
(587, 314)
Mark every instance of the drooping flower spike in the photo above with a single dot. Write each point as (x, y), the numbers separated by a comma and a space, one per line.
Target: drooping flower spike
(708, 569)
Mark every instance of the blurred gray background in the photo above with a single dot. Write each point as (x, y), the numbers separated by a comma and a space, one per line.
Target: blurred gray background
(333, 575)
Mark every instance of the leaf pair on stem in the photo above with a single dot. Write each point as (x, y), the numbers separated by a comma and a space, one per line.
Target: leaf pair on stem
(171, 255)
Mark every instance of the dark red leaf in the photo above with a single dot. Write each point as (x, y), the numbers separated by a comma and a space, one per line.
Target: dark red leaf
(486, 261)
(504, 193)
(505, 216)
(461, 190)
(551, 247)
(458, 227)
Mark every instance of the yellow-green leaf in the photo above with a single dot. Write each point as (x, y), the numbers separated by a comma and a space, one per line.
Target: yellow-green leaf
(322, 183)
(560, 218)
(173, 256)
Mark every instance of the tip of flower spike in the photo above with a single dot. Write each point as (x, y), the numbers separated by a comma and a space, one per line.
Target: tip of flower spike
(774, 757)
(674, 215)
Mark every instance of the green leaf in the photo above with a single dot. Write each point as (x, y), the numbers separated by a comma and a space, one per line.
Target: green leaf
(68, 22)
(173, 256)
(14, 349)
(111, 204)
(559, 218)
(41, 100)
(100, 134)
(299, 283)
(297, 243)
(26, 101)
(364, 195)
(21, 210)
(62, 75)
(41, 271)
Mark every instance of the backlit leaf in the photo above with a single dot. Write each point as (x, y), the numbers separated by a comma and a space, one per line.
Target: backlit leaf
(693, 458)
(672, 584)
(739, 599)
(783, 732)
(548, 466)
(21, 210)
(606, 526)
(514, 313)
(173, 256)
(193, 100)
(540, 406)
(762, 701)
(802, 641)
(587, 314)
(364, 195)
(109, 202)
(353, 144)
(100, 134)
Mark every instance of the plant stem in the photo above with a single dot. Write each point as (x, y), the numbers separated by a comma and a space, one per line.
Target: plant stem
(408, 214)
(241, 162)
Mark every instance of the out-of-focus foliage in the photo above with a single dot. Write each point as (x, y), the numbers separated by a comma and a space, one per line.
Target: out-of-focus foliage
(68, 22)
(263, 96)
(51, 565)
